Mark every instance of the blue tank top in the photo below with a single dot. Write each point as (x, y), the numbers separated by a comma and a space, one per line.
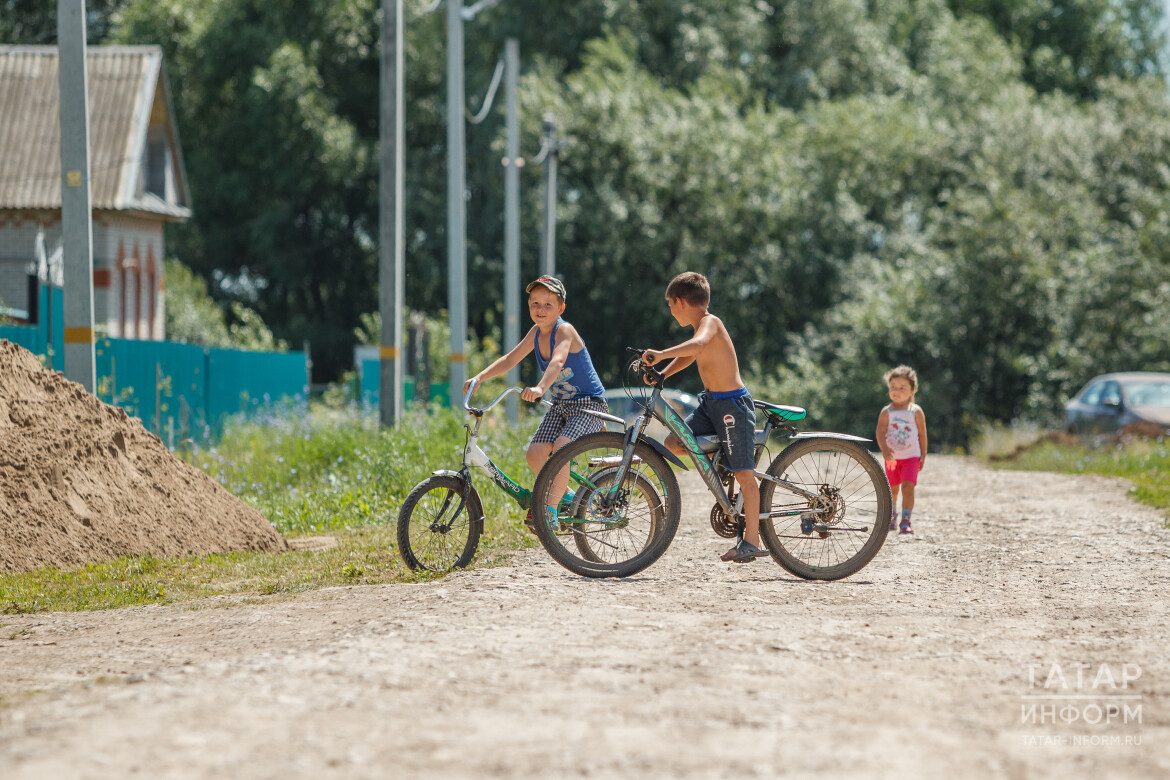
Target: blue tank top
(578, 378)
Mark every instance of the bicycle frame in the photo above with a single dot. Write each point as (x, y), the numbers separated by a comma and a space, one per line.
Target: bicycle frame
(704, 463)
(474, 456)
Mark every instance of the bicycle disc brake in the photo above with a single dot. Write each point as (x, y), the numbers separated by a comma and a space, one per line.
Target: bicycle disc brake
(608, 509)
(826, 508)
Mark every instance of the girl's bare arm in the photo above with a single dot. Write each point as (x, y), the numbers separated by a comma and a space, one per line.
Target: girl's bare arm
(880, 436)
(920, 419)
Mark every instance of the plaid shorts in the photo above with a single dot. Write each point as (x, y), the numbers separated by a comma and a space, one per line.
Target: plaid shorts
(567, 419)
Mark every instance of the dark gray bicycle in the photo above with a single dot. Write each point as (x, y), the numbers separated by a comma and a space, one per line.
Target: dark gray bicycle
(824, 500)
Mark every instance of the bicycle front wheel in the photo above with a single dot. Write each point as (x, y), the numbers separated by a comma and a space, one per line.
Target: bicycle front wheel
(615, 526)
(838, 531)
(437, 530)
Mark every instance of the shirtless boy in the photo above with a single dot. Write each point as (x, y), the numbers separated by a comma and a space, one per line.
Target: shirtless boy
(725, 407)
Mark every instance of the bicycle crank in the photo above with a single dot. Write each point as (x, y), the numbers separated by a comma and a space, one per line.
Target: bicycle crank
(725, 526)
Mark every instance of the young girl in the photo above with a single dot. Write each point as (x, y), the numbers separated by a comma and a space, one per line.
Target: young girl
(901, 434)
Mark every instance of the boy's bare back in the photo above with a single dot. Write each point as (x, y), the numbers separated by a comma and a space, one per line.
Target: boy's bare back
(710, 348)
(717, 362)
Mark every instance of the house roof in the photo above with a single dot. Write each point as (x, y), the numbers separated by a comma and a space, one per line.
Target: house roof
(127, 85)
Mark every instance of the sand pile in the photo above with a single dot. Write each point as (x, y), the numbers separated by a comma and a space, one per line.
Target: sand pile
(81, 481)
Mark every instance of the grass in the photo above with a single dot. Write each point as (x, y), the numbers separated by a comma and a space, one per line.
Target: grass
(335, 473)
(1144, 462)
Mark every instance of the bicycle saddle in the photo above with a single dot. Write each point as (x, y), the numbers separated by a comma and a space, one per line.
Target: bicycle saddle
(787, 413)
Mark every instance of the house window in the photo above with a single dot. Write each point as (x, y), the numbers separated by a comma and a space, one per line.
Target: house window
(156, 162)
(131, 289)
(120, 267)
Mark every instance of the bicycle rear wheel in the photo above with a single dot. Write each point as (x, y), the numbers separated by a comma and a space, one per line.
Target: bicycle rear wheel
(611, 529)
(437, 531)
(839, 531)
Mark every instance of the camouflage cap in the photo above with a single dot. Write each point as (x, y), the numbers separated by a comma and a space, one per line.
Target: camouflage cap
(551, 282)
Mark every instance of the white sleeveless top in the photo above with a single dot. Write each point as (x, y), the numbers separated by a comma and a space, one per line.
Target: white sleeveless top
(902, 433)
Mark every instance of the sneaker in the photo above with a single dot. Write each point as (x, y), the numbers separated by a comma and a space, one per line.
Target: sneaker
(904, 527)
(893, 524)
(554, 522)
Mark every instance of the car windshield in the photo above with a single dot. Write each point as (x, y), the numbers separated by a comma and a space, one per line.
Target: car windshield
(1148, 393)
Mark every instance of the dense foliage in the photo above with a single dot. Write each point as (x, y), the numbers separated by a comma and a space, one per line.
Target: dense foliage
(976, 187)
(193, 317)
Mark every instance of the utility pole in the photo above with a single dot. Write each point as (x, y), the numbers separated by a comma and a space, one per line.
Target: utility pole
(548, 239)
(391, 161)
(512, 165)
(456, 210)
(76, 215)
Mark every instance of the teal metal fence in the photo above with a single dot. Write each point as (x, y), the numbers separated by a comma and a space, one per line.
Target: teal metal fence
(35, 337)
(372, 386)
(181, 391)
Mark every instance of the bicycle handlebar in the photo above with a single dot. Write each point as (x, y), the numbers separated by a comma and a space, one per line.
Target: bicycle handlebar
(507, 392)
(644, 368)
(472, 410)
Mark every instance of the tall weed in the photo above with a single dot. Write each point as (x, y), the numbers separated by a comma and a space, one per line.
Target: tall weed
(338, 468)
(1144, 462)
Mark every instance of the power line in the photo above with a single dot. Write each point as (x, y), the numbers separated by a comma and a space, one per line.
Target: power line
(491, 96)
(470, 12)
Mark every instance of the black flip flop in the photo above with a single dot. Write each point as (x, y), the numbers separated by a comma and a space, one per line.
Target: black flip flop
(743, 552)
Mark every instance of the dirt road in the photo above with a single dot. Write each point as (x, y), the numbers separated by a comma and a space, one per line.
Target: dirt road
(945, 657)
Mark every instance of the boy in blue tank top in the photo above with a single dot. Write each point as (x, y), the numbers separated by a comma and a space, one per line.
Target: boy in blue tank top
(567, 375)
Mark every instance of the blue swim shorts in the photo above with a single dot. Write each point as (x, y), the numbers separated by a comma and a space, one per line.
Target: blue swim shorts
(731, 416)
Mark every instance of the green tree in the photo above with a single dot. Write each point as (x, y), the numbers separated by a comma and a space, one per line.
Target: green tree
(281, 182)
(193, 317)
(976, 188)
(1071, 46)
(35, 21)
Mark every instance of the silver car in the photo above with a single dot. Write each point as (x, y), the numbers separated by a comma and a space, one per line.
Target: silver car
(1112, 401)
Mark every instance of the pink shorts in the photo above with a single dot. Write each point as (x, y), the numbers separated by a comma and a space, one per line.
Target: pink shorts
(904, 470)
